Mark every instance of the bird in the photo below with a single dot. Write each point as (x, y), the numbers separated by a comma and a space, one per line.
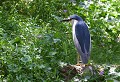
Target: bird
(81, 38)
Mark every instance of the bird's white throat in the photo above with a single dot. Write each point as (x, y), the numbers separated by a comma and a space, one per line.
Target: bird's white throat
(74, 22)
(73, 27)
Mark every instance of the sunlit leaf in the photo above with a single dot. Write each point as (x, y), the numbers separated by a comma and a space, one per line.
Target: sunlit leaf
(26, 58)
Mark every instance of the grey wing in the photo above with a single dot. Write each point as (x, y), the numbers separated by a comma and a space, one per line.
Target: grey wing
(83, 37)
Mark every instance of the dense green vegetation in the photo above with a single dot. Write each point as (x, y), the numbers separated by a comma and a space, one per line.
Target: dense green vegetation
(33, 41)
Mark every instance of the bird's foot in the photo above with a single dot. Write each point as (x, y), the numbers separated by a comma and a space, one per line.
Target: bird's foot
(80, 64)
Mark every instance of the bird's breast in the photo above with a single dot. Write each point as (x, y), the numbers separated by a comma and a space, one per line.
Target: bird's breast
(73, 29)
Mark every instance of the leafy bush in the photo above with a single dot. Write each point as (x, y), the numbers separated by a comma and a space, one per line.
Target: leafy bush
(33, 42)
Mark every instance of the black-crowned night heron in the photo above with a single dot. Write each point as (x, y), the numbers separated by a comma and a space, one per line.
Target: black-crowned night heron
(81, 38)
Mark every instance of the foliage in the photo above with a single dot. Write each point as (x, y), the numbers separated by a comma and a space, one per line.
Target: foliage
(33, 41)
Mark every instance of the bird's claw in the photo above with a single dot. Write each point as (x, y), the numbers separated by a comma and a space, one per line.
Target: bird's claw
(82, 65)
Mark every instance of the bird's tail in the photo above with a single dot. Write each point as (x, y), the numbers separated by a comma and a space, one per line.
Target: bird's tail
(84, 58)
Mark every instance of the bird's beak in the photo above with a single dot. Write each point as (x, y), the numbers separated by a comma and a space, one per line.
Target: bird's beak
(66, 20)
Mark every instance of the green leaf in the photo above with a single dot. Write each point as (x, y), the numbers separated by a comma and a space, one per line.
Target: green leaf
(26, 59)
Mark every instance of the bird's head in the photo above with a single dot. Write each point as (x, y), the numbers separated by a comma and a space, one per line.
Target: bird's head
(72, 18)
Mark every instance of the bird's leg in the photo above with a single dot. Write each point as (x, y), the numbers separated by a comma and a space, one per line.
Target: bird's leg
(78, 60)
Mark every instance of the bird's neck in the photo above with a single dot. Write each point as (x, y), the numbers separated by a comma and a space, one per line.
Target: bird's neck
(74, 22)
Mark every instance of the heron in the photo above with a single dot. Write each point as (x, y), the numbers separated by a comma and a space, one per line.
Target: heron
(81, 38)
